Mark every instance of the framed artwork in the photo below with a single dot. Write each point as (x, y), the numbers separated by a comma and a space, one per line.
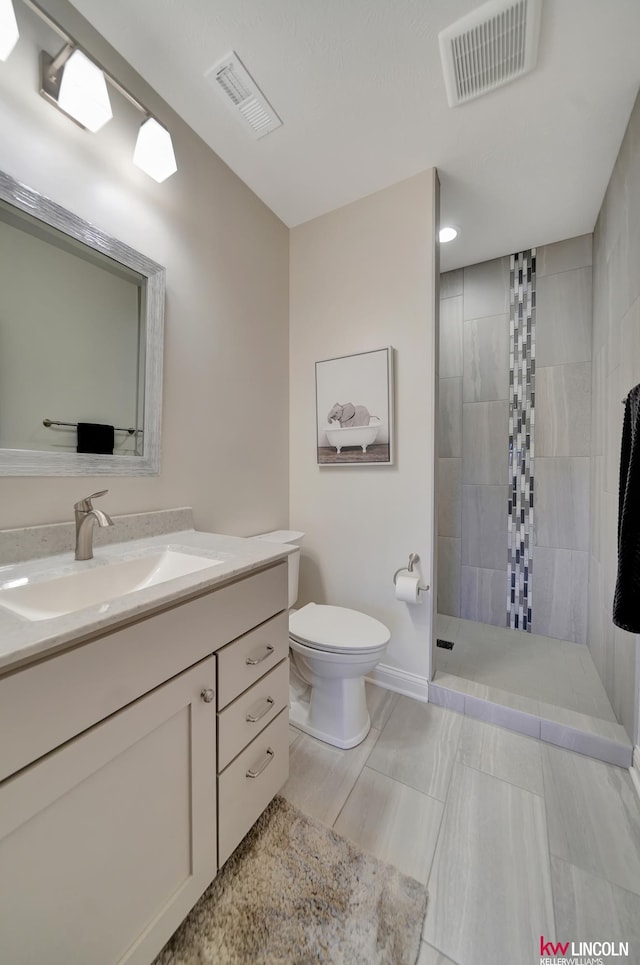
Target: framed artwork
(354, 409)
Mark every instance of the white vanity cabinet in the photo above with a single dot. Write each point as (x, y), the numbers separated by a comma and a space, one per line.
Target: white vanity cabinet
(108, 815)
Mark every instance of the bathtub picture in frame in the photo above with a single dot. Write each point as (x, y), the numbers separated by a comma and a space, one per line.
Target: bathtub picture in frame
(354, 409)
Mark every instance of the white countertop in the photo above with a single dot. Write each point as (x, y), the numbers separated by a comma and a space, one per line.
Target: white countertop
(22, 641)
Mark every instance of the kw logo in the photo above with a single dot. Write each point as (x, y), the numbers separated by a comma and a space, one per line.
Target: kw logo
(551, 950)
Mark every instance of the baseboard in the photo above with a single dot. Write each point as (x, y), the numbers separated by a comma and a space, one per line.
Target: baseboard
(634, 770)
(400, 681)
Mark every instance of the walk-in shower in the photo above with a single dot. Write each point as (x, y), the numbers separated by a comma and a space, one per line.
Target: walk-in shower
(519, 445)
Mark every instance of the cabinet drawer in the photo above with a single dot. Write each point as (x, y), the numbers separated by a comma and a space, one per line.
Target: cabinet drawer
(247, 659)
(248, 714)
(47, 703)
(250, 782)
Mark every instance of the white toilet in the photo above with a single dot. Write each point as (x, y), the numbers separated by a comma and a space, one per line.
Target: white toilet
(331, 650)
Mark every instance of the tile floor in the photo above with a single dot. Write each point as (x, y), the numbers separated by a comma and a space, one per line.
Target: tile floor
(513, 837)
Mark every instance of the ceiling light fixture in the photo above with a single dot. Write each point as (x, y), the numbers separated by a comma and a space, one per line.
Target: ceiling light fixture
(448, 233)
(77, 85)
(8, 29)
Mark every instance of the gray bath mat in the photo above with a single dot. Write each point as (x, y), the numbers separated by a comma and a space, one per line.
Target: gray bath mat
(296, 893)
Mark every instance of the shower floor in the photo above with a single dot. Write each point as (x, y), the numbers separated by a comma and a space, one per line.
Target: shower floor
(547, 689)
(551, 671)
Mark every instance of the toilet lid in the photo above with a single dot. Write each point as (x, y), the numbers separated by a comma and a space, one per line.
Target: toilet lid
(337, 629)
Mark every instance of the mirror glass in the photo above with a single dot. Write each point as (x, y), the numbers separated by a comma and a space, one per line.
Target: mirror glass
(81, 318)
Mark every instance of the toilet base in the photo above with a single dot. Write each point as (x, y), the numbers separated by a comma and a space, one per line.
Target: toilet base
(336, 714)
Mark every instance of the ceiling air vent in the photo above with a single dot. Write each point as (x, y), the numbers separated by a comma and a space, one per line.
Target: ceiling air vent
(489, 47)
(242, 94)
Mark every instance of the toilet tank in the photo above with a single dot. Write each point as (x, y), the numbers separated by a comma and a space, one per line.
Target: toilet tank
(289, 536)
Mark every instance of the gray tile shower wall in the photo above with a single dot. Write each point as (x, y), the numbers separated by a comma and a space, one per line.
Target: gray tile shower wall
(486, 289)
(562, 529)
(615, 370)
(474, 440)
(563, 410)
(485, 368)
(564, 255)
(451, 337)
(482, 595)
(451, 283)
(564, 317)
(449, 503)
(483, 524)
(484, 443)
(562, 503)
(450, 442)
(450, 418)
(449, 576)
(474, 383)
(561, 604)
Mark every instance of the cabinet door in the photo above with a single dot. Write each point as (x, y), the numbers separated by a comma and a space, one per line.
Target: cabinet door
(107, 842)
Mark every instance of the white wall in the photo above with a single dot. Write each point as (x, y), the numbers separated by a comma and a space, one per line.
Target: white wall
(225, 411)
(361, 278)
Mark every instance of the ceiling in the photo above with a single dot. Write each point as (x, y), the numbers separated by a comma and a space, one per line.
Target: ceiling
(359, 87)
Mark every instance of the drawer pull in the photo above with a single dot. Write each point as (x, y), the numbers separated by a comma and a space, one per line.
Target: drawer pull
(252, 661)
(252, 718)
(268, 758)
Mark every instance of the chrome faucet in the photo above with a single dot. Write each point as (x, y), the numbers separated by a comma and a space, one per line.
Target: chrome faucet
(86, 516)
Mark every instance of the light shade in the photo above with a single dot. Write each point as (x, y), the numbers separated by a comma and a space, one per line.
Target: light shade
(8, 29)
(83, 92)
(154, 151)
(448, 233)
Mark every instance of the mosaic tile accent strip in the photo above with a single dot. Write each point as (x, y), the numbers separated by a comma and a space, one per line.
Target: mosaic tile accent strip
(522, 377)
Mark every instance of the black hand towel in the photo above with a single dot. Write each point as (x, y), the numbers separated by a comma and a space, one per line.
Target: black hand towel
(626, 602)
(93, 437)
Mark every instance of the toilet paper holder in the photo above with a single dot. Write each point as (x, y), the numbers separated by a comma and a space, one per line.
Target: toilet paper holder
(413, 559)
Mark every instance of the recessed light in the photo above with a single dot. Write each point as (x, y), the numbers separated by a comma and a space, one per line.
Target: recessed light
(448, 233)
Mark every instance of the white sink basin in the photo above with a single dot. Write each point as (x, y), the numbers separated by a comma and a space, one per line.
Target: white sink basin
(66, 594)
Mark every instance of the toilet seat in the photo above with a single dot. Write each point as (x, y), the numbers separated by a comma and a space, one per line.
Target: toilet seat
(337, 629)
